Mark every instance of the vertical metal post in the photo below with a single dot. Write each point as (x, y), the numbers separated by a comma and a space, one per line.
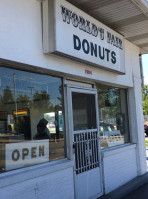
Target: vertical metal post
(14, 84)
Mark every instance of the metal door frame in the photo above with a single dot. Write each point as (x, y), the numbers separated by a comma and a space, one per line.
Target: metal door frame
(69, 121)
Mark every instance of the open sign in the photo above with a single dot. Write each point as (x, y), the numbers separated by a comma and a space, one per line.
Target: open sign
(24, 154)
(113, 138)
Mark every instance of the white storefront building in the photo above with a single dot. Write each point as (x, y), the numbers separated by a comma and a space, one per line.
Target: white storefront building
(71, 119)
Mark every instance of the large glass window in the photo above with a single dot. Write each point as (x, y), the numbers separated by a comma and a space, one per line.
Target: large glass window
(31, 119)
(113, 116)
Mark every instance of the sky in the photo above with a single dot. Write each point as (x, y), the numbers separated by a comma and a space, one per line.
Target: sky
(145, 68)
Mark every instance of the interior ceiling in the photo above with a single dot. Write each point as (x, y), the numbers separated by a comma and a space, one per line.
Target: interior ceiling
(127, 17)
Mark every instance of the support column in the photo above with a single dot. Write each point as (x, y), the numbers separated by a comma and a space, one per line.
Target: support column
(137, 124)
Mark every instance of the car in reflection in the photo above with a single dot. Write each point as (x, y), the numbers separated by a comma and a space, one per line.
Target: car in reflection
(146, 129)
(103, 126)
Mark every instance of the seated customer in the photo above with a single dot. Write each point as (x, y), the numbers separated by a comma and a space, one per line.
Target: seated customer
(41, 132)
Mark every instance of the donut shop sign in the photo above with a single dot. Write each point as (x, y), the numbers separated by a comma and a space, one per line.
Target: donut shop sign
(69, 32)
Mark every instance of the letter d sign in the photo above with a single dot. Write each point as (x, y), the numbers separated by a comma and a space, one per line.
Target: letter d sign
(76, 42)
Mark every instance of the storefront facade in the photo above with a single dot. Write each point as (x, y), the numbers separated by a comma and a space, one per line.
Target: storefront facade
(71, 120)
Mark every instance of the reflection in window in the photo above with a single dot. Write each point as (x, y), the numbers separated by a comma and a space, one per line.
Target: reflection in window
(31, 118)
(113, 124)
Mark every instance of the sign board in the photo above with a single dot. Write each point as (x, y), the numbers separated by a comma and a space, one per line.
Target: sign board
(70, 32)
(113, 138)
(24, 154)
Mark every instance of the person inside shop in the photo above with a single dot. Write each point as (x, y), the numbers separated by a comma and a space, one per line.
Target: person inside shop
(45, 122)
(41, 131)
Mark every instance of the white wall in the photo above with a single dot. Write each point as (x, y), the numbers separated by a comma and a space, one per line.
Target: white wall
(39, 182)
(137, 124)
(135, 110)
(119, 167)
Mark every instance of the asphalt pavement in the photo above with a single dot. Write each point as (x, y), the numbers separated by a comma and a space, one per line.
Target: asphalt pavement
(139, 193)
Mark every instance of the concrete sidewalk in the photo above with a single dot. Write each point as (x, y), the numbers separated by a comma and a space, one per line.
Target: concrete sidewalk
(135, 189)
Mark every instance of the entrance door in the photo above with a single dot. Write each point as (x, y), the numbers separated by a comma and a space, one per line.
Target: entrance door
(83, 126)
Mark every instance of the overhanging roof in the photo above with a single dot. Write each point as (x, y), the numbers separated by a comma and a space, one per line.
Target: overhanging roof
(128, 17)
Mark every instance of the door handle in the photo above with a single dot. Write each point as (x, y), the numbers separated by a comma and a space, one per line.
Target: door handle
(73, 146)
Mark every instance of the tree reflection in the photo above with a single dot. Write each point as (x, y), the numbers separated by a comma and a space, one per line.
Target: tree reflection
(42, 100)
(23, 101)
(108, 102)
(7, 100)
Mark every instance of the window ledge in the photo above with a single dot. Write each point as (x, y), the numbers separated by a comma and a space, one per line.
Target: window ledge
(117, 149)
(19, 175)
